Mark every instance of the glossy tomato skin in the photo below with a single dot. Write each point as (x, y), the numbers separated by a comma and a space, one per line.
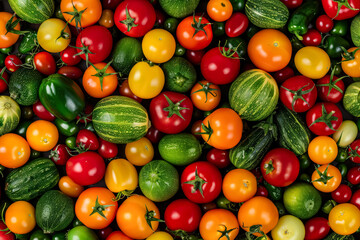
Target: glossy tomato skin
(324, 23)
(354, 151)
(336, 86)
(355, 199)
(7, 39)
(283, 74)
(4, 235)
(323, 150)
(312, 38)
(142, 13)
(350, 67)
(87, 139)
(182, 214)
(207, 172)
(86, 168)
(280, 167)
(154, 135)
(316, 228)
(13, 143)
(353, 175)
(322, 128)
(71, 72)
(124, 90)
(41, 112)
(331, 9)
(69, 57)
(219, 158)
(171, 112)
(60, 154)
(89, 17)
(107, 149)
(195, 56)
(12, 63)
(4, 79)
(185, 33)
(68, 187)
(98, 40)
(45, 63)
(236, 24)
(291, 4)
(305, 87)
(342, 194)
(217, 68)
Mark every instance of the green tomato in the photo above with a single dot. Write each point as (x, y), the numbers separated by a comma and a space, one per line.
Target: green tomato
(288, 228)
(346, 133)
(59, 236)
(218, 29)
(305, 161)
(71, 142)
(39, 235)
(34, 154)
(6, 50)
(171, 24)
(76, 222)
(342, 155)
(81, 233)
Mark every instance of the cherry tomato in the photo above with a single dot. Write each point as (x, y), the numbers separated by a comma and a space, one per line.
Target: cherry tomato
(160, 235)
(349, 64)
(41, 112)
(14, 150)
(91, 12)
(322, 150)
(236, 25)
(107, 149)
(342, 194)
(118, 235)
(316, 228)
(154, 135)
(69, 187)
(42, 135)
(330, 88)
(312, 38)
(158, 45)
(219, 10)
(20, 217)
(71, 72)
(110, 4)
(326, 178)
(139, 152)
(69, 57)
(195, 56)
(5, 235)
(107, 18)
(205, 95)
(60, 154)
(125, 91)
(291, 4)
(324, 23)
(45, 63)
(86, 139)
(344, 219)
(354, 151)
(7, 39)
(239, 185)
(355, 198)
(283, 74)
(219, 158)
(12, 63)
(353, 175)
(4, 79)
(54, 35)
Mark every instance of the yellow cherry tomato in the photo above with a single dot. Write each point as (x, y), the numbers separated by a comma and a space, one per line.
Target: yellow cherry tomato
(139, 152)
(158, 45)
(219, 10)
(329, 180)
(42, 135)
(322, 150)
(346, 133)
(312, 62)
(50, 35)
(69, 187)
(160, 236)
(107, 18)
(20, 217)
(344, 219)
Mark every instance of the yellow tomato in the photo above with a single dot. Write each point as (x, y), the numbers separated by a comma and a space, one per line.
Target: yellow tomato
(322, 150)
(160, 236)
(158, 45)
(327, 182)
(344, 219)
(139, 152)
(51, 38)
(14, 150)
(42, 135)
(346, 133)
(20, 217)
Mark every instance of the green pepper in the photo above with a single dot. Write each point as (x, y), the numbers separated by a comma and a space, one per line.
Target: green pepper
(302, 17)
(238, 5)
(62, 97)
(22, 127)
(171, 24)
(76, 222)
(180, 50)
(67, 128)
(2, 59)
(6, 50)
(39, 235)
(343, 169)
(296, 44)
(340, 28)
(35, 154)
(238, 44)
(328, 205)
(304, 161)
(70, 142)
(333, 46)
(305, 177)
(275, 193)
(342, 155)
(218, 29)
(28, 42)
(281, 208)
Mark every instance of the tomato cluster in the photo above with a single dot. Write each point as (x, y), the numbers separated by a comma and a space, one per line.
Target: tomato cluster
(178, 59)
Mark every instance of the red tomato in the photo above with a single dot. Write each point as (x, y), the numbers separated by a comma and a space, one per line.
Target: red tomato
(355, 199)
(220, 65)
(12, 63)
(195, 56)
(60, 154)
(261, 191)
(298, 93)
(5, 235)
(353, 175)
(312, 38)
(107, 149)
(354, 151)
(86, 168)
(236, 24)
(201, 182)
(330, 89)
(316, 228)
(291, 4)
(324, 118)
(154, 135)
(118, 235)
(194, 33)
(324, 23)
(110, 4)
(171, 112)
(280, 167)
(4, 79)
(94, 43)
(219, 158)
(45, 63)
(182, 214)
(135, 18)
(283, 74)
(87, 140)
(342, 194)
(105, 232)
(72, 72)
(125, 90)
(69, 57)
(41, 112)
(340, 10)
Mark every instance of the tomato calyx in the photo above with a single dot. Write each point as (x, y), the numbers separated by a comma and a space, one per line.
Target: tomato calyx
(353, 153)
(254, 229)
(325, 118)
(98, 208)
(150, 217)
(76, 16)
(84, 50)
(230, 52)
(197, 183)
(123, 194)
(179, 233)
(54, 154)
(348, 56)
(269, 167)
(208, 130)
(332, 83)
(7, 230)
(174, 108)
(129, 21)
(10, 26)
(2, 75)
(324, 178)
(225, 232)
(298, 94)
(343, 3)
(101, 73)
(328, 205)
(206, 89)
(198, 26)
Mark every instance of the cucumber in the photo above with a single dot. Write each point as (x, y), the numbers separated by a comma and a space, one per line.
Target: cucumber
(355, 31)
(179, 8)
(9, 114)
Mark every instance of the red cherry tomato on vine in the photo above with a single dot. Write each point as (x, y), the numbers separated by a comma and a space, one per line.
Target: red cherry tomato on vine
(12, 63)
(330, 90)
(41, 112)
(87, 140)
(283, 74)
(69, 57)
(354, 151)
(331, 8)
(107, 149)
(45, 63)
(60, 154)
(355, 199)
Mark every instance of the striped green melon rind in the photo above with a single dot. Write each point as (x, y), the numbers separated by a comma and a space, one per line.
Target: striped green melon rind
(267, 13)
(9, 114)
(254, 95)
(31, 180)
(33, 11)
(120, 119)
(351, 100)
(355, 31)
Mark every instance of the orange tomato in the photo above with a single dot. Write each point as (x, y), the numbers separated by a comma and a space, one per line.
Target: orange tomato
(100, 83)
(96, 207)
(20, 217)
(14, 150)
(222, 129)
(42, 135)
(216, 222)
(352, 66)
(132, 214)
(258, 211)
(329, 180)
(205, 95)
(7, 39)
(107, 18)
(117, 235)
(219, 10)
(322, 150)
(239, 185)
(92, 10)
(270, 50)
(344, 219)
(139, 152)
(69, 187)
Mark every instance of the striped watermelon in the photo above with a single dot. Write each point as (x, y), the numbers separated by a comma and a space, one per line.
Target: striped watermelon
(351, 99)
(119, 119)
(254, 95)
(33, 11)
(9, 114)
(267, 13)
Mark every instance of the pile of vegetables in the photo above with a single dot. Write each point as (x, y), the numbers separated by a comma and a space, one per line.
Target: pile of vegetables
(180, 119)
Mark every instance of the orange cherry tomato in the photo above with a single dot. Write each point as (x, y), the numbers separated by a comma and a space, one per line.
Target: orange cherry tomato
(219, 10)
(205, 95)
(20, 217)
(222, 129)
(107, 18)
(7, 39)
(100, 82)
(329, 180)
(322, 150)
(258, 211)
(14, 150)
(117, 235)
(239, 185)
(216, 222)
(96, 207)
(69, 187)
(132, 217)
(270, 50)
(42, 135)
(344, 219)
(352, 66)
(139, 152)
(92, 10)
